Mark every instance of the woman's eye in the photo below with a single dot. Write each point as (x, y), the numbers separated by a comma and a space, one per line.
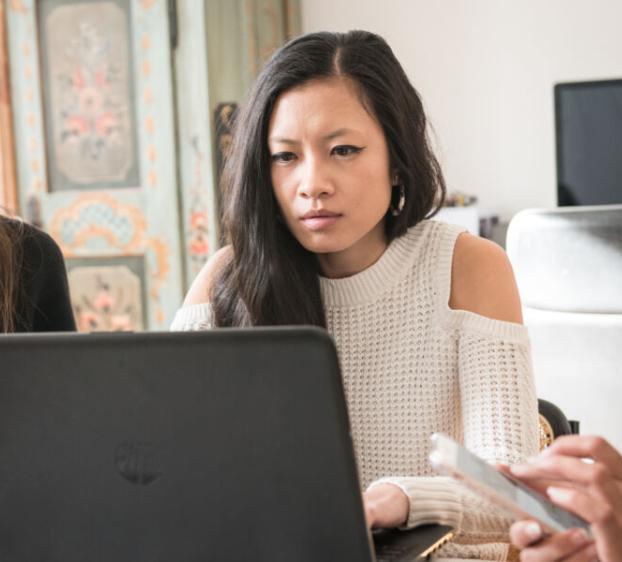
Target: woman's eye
(283, 157)
(345, 150)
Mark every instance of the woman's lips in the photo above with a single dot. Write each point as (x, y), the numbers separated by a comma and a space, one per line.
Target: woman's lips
(321, 221)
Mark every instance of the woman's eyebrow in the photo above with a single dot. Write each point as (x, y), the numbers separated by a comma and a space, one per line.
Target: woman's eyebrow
(283, 140)
(337, 133)
(330, 136)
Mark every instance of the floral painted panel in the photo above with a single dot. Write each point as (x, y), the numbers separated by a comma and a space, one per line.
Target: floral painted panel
(86, 57)
(107, 296)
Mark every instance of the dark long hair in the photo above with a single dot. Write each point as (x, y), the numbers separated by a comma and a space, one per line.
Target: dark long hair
(270, 278)
(9, 257)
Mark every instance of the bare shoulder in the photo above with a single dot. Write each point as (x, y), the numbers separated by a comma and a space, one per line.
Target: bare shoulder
(482, 280)
(201, 287)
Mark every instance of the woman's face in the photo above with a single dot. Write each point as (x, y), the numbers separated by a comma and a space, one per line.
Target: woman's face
(330, 173)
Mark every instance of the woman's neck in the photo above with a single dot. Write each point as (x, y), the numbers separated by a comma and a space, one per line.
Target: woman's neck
(358, 257)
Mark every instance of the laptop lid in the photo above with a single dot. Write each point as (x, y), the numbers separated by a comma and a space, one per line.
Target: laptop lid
(225, 445)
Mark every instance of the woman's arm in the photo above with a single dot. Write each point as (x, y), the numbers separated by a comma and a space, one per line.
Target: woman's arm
(499, 404)
(497, 390)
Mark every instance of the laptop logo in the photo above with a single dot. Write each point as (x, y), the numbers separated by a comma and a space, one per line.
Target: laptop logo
(138, 462)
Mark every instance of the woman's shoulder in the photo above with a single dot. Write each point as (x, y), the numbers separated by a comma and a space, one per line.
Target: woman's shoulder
(433, 236)
(43, 302)
(201, 288)
(482, 280)
(196, 311)
(13, 227)
(470, 273)
(37, 246)
(34, 244)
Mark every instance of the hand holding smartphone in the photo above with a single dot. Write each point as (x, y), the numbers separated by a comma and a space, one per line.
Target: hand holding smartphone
(511, 496)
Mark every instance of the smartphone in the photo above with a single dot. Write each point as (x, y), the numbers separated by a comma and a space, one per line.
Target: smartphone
(513, 497)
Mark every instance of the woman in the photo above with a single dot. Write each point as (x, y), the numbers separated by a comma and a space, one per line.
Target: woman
(591, 490)
(34, 295)
(329, 182)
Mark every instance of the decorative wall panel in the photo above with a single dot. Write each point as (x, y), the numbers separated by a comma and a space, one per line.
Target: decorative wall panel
(86, 61)
(107, 294)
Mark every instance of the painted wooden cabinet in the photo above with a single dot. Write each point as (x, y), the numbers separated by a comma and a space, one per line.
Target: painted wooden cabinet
(94, 127)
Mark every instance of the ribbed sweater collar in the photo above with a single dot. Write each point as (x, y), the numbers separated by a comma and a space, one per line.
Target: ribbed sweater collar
(371, 283)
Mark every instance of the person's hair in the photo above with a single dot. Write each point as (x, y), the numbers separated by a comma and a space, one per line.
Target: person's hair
(270, 278)
(9, 257)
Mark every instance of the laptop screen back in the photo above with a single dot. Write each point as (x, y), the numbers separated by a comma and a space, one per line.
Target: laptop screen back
(223, 445)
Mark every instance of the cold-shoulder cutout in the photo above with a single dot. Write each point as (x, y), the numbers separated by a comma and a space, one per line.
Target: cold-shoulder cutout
(482, 280)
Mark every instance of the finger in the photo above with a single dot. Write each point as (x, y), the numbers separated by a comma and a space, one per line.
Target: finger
(370, 517)
(597, 510)
(586, 446)
(557, 547)
(538, 484)
(586, 554)
(541, 485)
(560, 467)
(525, 533)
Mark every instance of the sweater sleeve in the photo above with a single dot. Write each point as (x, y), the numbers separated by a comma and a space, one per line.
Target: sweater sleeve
(194, 317)
(500, 424)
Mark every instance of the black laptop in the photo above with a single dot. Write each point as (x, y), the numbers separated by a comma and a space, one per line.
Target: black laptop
(227, 445)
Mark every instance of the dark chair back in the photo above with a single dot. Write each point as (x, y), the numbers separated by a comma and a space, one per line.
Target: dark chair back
(553, 423)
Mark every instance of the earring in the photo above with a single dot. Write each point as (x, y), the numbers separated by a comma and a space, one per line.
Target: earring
(396, 211)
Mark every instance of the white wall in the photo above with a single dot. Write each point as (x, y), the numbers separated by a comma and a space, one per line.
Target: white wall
(485, 70)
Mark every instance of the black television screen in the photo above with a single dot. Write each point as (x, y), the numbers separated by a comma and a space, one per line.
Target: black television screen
(588, 119)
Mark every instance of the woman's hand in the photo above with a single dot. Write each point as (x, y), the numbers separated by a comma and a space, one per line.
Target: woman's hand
(591, 490)
(386, 506)
(571, 546)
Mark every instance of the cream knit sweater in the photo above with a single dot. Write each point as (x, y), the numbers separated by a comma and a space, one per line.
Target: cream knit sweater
(412, 366)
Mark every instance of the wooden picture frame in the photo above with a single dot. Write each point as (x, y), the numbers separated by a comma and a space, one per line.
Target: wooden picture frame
(8, 174)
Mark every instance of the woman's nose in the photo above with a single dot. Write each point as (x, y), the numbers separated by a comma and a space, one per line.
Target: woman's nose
(315, 182)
